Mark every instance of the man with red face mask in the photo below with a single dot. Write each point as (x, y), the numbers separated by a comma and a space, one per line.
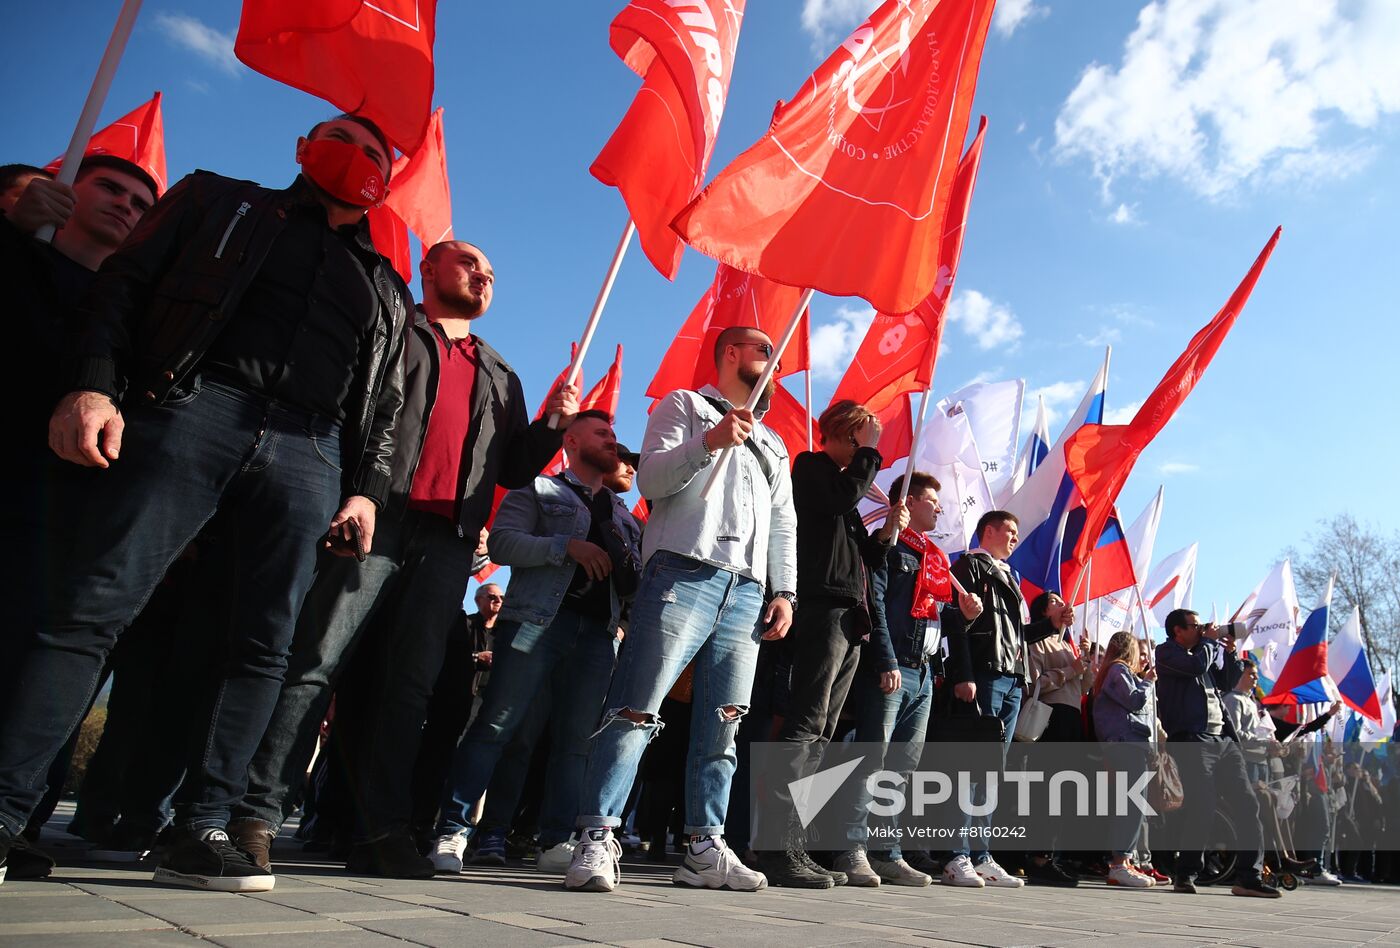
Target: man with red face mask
(240, 355)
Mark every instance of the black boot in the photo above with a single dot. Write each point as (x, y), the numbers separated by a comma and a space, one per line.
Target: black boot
(788, 868)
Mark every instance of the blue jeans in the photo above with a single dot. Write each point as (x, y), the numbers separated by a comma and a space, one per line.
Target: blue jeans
(684, 610)
(539, 673)
(274, 472)
(999, 696)
(413, 579)
(899, 718)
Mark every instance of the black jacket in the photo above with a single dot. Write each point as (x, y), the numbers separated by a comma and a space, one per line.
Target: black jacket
(992, 644)
(159, 302)
(833, 546)
(503, 447)
(1183, 681)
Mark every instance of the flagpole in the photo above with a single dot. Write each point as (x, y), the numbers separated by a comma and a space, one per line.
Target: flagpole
(760, 385)
(807, 387)
(577, 365)
(924, 397)
(97, 95)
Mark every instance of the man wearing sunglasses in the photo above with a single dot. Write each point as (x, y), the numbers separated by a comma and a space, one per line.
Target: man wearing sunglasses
(702, 598)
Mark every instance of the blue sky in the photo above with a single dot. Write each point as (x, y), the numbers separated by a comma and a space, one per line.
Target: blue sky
(1137, 158)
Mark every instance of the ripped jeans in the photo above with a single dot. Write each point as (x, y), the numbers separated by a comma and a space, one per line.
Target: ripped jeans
(684, 610)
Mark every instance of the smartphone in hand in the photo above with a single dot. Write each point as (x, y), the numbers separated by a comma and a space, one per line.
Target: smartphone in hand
(354, 543)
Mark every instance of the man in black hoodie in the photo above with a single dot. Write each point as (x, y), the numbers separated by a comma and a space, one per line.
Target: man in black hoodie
(835, 554)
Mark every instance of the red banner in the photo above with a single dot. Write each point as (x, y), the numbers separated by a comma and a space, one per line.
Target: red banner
(418, 190)
(372, 59)
(138, 137)
(848, 190)
(657, 157)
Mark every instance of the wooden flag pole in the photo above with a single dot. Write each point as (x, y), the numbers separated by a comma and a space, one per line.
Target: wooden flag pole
(577, 365)
(760, 385)
(97, 95)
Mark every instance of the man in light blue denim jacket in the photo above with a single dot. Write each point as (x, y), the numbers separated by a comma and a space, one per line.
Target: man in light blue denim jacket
(572, 546)
(702, 598)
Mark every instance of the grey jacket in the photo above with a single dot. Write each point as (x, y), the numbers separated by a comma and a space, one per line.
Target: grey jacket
(531, 535)
(748, 526)
(1121, 709)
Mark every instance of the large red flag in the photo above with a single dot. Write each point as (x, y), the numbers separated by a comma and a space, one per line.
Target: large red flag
(848, 190)
(389, 234)
(138, 136)
(787, 417)
(735, 298)
(684, 50)
(1099, 458)
(418, 189)
(899, 351)
(373, 59)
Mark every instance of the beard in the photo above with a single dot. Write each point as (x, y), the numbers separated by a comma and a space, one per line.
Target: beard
(750, 376)
(600, 459)
(463, 302)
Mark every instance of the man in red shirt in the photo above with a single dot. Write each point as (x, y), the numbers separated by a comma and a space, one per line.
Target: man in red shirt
(464, 430)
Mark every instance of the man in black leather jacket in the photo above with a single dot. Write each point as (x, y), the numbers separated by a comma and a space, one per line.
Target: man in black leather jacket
(239, 356)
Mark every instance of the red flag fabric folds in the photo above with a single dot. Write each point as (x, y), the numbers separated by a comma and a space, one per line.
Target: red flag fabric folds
(389, 234)
(787, 417)
(899, 351)
(735, 298)
(847, 191)
(1099, 458)
(138, 136)
(373, 59)
(684, 51)
(418, 190)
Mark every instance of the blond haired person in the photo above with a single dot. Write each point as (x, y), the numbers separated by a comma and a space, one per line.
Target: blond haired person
(1123, 723)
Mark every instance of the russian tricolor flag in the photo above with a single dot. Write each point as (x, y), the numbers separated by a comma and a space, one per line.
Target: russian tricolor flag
(1346, 663)
(1303, 679)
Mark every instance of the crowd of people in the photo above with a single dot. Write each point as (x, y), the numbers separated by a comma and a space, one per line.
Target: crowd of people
(256, 479)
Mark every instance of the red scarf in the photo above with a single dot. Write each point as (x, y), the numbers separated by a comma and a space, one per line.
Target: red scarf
(934, 584)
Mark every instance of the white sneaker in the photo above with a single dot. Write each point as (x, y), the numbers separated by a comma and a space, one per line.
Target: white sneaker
(899, 872)
(856, 866)
(447, 853)
(556, 858)
(716, 867)
(594, 867)
(1128, 877)
(959, 871)
(994, 875)
(1323, 877)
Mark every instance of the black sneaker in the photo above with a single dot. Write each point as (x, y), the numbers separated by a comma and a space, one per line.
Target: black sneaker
(21, 859)
(1050, 873)
(208, 859)
(788, 869)
(1255, 888)
(836, 876)
(924, 863)
(1184, 886)
(393, 857)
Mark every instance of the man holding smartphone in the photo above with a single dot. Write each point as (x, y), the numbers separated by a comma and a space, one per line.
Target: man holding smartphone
(702, 597)
(1194, 666)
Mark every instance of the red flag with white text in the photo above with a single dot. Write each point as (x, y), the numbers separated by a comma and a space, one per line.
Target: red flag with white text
(735, 298)
(899, 351)
(138, 137)
(657, 156)
(418, 190)
(1099, 458)
(848, 190)
(372, 59)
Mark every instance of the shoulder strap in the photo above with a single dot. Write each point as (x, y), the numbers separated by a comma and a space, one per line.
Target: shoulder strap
(763, 463)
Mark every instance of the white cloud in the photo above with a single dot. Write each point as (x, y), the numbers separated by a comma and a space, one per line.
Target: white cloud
(1058, 396)
(1121, 416)
(1010, 14)
(1106, 336)
(828, 20)
(1124, 214)
(990, 324)
(1220, 94)
(199, 38)
(1169, 468)
(834, 344)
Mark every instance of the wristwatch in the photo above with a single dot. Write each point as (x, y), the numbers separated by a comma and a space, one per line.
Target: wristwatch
(791, 597)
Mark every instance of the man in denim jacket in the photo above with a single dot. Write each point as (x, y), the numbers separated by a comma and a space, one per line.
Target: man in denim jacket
(572, 547)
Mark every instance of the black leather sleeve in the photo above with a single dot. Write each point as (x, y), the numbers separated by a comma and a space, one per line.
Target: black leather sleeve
(374, 473)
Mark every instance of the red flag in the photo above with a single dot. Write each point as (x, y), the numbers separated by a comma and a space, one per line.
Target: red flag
(372, 59)
(848, 190)
(418, 190)
(735, 298)
(641, 511)
(603, 396)
(684, 50)
(897, 434)
(138, 136)
(389, 234)
(899, 352)
(1099, 457)
(787, 417)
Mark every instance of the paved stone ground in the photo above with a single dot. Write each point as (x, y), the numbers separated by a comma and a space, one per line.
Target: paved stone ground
(316, 904)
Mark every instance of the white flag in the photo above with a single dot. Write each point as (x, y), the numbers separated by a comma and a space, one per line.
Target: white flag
(1169, 585)
(1119, 610)
(1371, 732)
(1035, 449)
(993, 411)
(1271, 617)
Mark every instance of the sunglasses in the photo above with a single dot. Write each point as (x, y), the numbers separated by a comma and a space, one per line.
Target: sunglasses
(763, 347)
